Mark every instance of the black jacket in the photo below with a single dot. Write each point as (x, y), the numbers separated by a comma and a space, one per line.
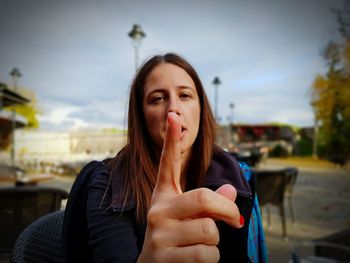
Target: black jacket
(96, 231)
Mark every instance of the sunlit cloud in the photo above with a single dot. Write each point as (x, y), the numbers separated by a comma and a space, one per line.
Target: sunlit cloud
(78, 59)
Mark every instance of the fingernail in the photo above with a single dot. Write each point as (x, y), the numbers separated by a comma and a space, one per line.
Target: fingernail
(241, 220)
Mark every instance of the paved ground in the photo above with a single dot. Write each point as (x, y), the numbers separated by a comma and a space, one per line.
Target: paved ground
(321, 202)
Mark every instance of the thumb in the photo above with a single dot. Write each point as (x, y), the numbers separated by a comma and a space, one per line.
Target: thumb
(228, 191)
(170, 161)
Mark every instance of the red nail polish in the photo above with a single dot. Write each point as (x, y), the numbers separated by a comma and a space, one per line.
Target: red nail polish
(241, 220)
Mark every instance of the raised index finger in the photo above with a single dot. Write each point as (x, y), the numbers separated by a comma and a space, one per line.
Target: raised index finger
(170, 161)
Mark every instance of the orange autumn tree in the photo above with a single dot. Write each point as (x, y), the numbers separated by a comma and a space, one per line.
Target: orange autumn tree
(331, 96)
(29, 111)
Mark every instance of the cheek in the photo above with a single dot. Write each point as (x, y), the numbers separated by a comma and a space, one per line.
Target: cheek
(194, 119)
(197, 113)
(154, 123)
(197, 119)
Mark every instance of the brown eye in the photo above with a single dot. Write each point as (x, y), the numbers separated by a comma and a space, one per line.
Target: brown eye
(157, 99)
(185, 96)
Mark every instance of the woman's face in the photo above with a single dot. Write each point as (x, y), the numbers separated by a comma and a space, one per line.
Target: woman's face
(169, 88)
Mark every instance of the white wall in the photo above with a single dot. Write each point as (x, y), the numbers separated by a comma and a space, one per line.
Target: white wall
(62, 147)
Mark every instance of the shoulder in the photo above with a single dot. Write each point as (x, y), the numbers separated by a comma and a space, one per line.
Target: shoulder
(91, 169)
(223, 164)
(74, 224)
(108, 177)
(224, 169)
(99, 174)
(84, 178)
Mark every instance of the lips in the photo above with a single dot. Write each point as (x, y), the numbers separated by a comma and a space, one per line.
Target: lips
(183, 132)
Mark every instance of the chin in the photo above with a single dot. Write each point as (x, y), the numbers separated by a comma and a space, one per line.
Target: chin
(185, 147)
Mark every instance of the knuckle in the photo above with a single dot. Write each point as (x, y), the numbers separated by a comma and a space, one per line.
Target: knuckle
(153, 218)
(203, 197)
(155, 242)
(155, 229)
(200, 254)
(209, 231)
(204, 254)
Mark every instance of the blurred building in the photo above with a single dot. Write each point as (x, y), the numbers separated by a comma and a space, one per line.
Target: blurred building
(38, 146)
(248, 137)
(262, 132)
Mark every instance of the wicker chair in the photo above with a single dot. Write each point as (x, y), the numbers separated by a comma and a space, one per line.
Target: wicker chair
(20, 206)
(41, 241)
(272, 186)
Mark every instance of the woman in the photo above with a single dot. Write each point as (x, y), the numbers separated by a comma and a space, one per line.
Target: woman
(170, 195)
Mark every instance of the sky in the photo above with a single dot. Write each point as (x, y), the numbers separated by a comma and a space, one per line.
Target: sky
(78, 59)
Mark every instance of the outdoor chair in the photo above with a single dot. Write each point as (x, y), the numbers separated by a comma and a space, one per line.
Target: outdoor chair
(253, 159)
(10, 172)
(340, 238)
(292, 174)
(41, 241)
(20, 206)
(271, 187)
(318, 251)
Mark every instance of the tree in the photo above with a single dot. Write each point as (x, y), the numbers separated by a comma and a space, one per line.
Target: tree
(331, 95)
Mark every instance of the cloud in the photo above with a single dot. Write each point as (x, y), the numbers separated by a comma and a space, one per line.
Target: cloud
(67, 116)
(79, 60)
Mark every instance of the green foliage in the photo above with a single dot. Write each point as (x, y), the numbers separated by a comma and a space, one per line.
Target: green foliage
(304, 147)
(29, 111)
(278, 151)
(331, 101)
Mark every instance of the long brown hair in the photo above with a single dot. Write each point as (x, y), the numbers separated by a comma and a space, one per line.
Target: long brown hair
(137, 163)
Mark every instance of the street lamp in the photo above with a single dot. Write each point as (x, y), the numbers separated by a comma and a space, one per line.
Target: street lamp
(15, 74)
(231, 122)
(216, 83)
(315, 138)
(136, 35)
(232, 106)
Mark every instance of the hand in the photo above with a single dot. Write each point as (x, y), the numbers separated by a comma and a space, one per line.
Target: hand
(181, 226)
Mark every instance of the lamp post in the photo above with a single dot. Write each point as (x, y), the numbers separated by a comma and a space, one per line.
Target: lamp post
(136, 34)
(232, 106)
(216, 83)
(231, 122)
(314, 143)
(15, 74)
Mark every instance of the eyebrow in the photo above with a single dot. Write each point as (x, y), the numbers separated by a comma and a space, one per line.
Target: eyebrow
(180, 87)
(186, 87)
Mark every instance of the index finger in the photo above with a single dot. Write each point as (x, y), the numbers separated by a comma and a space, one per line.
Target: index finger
(170, 161)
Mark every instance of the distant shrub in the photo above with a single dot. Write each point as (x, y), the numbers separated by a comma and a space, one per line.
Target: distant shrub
(304, 147)
(279, 151)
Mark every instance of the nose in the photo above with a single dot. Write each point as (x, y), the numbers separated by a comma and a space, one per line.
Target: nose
(173, 106)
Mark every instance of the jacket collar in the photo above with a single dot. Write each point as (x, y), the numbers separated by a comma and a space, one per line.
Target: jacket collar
(223, 169)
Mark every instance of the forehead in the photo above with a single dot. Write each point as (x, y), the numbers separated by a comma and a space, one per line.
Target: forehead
(168, 75)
